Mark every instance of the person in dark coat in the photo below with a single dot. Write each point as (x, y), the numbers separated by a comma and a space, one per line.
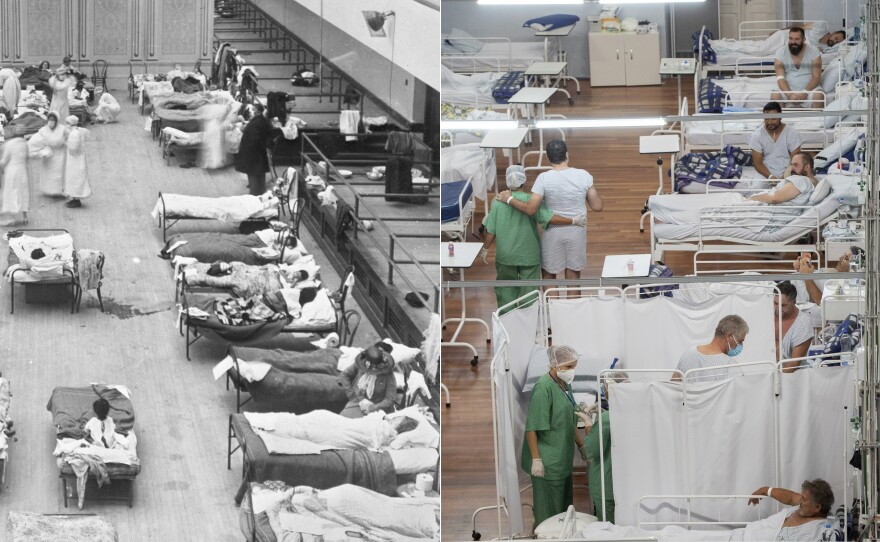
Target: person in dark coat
(369, 382)
(252, 159)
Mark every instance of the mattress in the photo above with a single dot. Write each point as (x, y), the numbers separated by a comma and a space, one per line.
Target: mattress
(501, 56)
(729, 131)
(330, 468)
(231, 208)
(798, 226)
(449, 198)
(71, 408)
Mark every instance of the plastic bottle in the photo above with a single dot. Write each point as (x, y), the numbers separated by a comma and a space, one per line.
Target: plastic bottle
(845, 343)
(854, 268)
(451, 250)
(828, 529)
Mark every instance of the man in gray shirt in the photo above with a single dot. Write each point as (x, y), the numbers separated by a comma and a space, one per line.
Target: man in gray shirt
(730, 334)
(798, 71)
(774, 145)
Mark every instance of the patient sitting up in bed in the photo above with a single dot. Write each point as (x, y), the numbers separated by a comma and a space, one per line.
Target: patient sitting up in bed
(774, 144)
(369, 382)
(807, 521)
(101, 430)
(795, 189)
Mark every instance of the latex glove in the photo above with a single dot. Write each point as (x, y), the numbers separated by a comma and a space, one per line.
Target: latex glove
(537, 468)
(416, 383)
(579, 220)
(592, 409)
(588, 420)
(484, 253)
(583, 450)
(365, 405)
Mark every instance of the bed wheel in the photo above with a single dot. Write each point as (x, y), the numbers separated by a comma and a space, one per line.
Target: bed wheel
(475, 535)
(475, 361)
(571, 101)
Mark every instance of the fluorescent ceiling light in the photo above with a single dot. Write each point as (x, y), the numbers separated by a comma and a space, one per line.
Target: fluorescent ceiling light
(529, 2)
(478, 125)
(645, 1)
(600, 123)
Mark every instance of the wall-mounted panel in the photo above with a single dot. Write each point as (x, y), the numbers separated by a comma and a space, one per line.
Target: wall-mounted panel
(111, 28)
(179, 28)
(45, 29)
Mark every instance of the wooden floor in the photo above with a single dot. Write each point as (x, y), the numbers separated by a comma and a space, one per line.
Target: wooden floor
(624, 179)
(184, 491)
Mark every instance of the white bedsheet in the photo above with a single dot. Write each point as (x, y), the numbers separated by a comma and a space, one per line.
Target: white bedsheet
(473, 90)
(469, 162)
(729, 131)
(497, 55)
(231, 208)
(756, 531)
(59, 256)
(319, 311)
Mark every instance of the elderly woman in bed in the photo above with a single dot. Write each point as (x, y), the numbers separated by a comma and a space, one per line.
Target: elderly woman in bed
(369, 382)
(797, 188)
(807, 521)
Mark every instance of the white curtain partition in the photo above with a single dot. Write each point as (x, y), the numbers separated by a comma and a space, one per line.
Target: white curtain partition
(653, 333)
(720, 438)
(514, 335)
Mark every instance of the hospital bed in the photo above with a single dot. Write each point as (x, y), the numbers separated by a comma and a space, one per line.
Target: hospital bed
(359, 512)
(474, 90)
(71, 408)
(56, 270)
(172, 208)
(297, 381)
(33, 527)
(245, 280)
(456, 208)
(186, 112)
(266, 246)
(473, 54)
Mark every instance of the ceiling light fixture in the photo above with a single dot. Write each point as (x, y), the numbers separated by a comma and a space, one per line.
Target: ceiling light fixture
(646, 1)
(528, 2)
(376, 22)
(601, 123)
(478, 124)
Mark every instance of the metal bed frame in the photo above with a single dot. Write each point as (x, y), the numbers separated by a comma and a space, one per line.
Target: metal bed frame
(70, 276)
(167, 221)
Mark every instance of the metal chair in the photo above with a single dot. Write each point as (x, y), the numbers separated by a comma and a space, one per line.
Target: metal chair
(99, 73)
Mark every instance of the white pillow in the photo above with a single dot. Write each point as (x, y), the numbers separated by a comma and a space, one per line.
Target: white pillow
(540, 27)
(830, 75)
(467, 45)
(820, 192)
(402, 353)
(840, 104)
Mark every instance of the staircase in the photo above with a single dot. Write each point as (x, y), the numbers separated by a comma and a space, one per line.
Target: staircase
(276, 55)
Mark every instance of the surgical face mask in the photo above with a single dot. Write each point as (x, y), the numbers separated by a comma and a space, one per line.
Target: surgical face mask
(566, 376)
(736, 350)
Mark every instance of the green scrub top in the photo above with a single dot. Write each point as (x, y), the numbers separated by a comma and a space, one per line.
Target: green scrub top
(591, 441)
(516, 234)
(551, 416)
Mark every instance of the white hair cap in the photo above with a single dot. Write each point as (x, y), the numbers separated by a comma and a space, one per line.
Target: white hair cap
(561, 354)
(516, 177)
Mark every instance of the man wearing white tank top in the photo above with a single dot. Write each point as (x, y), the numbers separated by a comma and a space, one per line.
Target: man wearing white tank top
(565, 190)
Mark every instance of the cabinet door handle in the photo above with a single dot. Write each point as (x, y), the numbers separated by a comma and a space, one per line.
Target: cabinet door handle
(618, 54)
(630, 54)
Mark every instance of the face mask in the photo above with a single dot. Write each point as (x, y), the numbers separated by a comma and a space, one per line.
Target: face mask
(736, 350)
(566, 376)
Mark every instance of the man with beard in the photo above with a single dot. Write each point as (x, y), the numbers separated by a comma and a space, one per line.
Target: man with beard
(798, 71)
(774, 145)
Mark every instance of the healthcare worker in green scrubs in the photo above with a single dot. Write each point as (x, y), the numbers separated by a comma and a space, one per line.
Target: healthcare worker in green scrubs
(598, 470)
(516, 238)
(551, 436)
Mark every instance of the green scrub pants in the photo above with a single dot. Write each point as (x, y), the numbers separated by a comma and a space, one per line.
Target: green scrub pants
(515, 272)
(551, 497)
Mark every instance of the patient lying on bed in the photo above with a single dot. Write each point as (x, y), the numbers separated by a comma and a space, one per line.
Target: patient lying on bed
(802, 521)
(324, 430)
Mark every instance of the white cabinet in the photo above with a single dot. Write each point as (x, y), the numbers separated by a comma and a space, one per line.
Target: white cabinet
(624, 59)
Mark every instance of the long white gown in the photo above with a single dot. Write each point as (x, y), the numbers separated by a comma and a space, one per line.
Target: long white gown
(60, 100)
(76, 174)
(108, 108)
(47, 149)
(15, 189)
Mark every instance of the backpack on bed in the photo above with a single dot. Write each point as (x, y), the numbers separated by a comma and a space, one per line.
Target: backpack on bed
(658, 269)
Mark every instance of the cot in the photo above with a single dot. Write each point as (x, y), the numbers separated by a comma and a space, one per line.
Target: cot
(172, 208)
(297, 381)
(262, 247)
(355, 511)
(245, 280)
(71, 408)
(42, 258)
(473, 90)
(375, 470)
